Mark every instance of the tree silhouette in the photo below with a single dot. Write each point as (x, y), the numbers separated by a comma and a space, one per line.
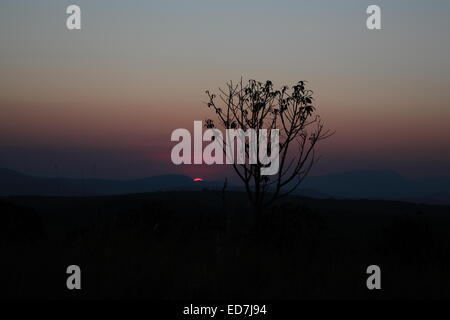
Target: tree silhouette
(257, 105)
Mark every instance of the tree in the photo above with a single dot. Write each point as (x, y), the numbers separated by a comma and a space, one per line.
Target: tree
(257, 105)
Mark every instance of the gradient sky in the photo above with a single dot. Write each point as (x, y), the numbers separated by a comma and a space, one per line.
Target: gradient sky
(103, 101)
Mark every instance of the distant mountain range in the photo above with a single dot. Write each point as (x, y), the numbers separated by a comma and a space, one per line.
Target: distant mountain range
(354, 184)
(15, 183)
(381, 185)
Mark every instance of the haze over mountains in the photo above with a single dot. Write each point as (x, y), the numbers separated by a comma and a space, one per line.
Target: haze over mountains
(382, 185)
(354, 185)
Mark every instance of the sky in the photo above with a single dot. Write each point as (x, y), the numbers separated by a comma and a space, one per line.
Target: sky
(102, 101)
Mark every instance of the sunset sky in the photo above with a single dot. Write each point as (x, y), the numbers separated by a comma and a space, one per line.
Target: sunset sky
(103, 101)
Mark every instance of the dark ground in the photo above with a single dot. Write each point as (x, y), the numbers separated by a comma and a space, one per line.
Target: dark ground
(192, 245)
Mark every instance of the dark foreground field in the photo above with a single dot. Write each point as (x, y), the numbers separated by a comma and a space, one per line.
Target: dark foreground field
(189, 245)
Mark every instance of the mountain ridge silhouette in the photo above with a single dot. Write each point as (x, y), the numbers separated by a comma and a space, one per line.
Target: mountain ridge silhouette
(362, 184)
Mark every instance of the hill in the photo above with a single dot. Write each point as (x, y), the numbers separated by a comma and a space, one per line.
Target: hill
(191, 245)
(386, 185)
